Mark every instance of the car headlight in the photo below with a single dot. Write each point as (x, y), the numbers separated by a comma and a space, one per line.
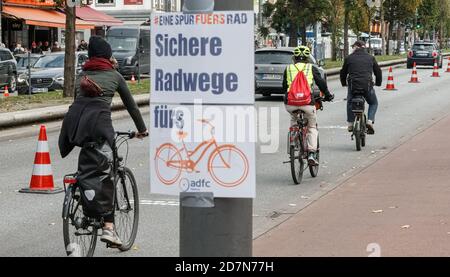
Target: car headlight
(129, 61)
(22, 78)
(59, 79)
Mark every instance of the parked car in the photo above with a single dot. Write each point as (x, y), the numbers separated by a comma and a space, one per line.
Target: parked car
(376, 45)
(8, 70)
(47, 72)
(270, 64)
(424, 53)
(131, 48)
(22, 62)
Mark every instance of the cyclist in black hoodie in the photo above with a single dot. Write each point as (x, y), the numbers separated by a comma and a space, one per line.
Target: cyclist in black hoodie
(357, 74)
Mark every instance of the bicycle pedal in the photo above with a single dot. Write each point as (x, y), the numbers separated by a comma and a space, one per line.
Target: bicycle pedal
(110, 245)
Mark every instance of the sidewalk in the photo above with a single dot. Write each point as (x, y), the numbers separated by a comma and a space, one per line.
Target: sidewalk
(401, 203)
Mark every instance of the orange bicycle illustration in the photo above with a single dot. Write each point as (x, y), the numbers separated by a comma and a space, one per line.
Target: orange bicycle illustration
(227, 165)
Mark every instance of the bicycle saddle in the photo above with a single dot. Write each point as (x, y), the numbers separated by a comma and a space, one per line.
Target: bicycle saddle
(182, 135)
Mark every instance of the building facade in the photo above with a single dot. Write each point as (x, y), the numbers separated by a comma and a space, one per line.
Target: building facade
(134, 12)
(43, 21)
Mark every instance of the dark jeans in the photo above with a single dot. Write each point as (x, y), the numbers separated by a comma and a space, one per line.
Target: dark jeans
(371, 99)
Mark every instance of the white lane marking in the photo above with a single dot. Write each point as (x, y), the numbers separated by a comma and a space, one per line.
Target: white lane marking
(333, 127)
(159, 202)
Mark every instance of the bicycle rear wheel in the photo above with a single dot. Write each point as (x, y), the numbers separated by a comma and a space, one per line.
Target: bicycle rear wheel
(126, 215)
(363, 132)
(357, 133)
(80, 238)
(297, 165)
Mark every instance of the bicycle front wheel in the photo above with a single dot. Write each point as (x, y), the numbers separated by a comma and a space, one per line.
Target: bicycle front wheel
(80, 238)
(228, 166)
(297, 165)
(314, 169)
(126, 214)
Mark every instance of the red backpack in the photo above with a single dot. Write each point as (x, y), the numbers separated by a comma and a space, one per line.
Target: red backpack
(299, 93)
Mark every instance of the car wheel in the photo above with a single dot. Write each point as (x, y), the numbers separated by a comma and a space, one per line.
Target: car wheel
(12, 84)
(409, 66)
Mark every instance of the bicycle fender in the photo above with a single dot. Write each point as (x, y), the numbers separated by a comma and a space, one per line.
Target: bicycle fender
(65, 210)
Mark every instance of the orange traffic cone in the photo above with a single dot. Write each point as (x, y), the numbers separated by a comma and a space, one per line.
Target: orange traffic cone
(42, 177)
(133, 80)
(6, 92)
(448, 66)
(414, 78)
(435, 70)
(390, 82)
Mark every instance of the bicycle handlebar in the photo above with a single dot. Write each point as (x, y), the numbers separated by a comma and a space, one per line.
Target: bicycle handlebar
(129, 134)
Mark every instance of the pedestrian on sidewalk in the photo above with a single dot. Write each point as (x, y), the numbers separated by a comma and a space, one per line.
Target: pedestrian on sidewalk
(88, 125)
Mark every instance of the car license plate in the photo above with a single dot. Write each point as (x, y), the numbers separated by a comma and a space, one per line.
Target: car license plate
(271, 77)
(37, 90)
(422, 54)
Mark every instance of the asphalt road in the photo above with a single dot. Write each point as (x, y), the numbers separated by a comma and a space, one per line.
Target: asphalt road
(31, 224)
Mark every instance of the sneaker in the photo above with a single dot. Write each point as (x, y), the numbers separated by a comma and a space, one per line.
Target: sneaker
(312, 159)
(370, 129)
(110, 236)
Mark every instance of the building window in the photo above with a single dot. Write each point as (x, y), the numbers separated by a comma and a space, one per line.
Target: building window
(105, 2)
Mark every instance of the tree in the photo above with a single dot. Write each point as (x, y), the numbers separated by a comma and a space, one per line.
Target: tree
(334, 21)
(396, 12)
(69, 57)
(359, 17)
(69, 41)
(292, 16)
(348, 6)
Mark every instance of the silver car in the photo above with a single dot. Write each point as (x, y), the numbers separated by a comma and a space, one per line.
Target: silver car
(270, 64)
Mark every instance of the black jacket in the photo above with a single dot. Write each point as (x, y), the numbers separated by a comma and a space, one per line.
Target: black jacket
(359, 67)
(88, 120)
(320, 82)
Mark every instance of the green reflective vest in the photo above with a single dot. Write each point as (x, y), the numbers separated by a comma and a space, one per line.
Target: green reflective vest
(292, 70)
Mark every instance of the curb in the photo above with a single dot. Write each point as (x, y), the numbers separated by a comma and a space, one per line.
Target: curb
(19, 118)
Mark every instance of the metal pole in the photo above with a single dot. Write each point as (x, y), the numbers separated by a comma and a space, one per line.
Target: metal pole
(216, 227)
(1, 33)
(29, 73)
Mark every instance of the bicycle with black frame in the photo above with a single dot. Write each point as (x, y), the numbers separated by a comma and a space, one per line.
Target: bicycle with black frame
(80, 231)
(297, 146)
(360, 124)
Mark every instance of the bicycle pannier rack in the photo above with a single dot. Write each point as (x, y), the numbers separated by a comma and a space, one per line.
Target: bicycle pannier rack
(358, 104)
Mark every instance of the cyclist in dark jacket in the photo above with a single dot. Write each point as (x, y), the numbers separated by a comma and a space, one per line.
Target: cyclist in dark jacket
(88, 124)
(357, 74)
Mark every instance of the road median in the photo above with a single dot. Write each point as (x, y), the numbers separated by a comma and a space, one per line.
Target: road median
(19, 118)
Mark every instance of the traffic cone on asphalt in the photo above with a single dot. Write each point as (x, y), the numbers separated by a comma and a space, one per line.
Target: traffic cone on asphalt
(435, 70)
(133, 80)
(6, 92)
(42, 176)
(448, 66)
(390, 82)
(414, 78)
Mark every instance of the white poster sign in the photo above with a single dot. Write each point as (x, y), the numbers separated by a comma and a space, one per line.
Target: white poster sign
(203, 148)
(202, 56)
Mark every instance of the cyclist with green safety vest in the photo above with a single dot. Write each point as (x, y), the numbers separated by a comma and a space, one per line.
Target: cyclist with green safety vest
(302, 63)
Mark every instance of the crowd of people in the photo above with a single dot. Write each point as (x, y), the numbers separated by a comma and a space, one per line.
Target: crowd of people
(42, 47)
